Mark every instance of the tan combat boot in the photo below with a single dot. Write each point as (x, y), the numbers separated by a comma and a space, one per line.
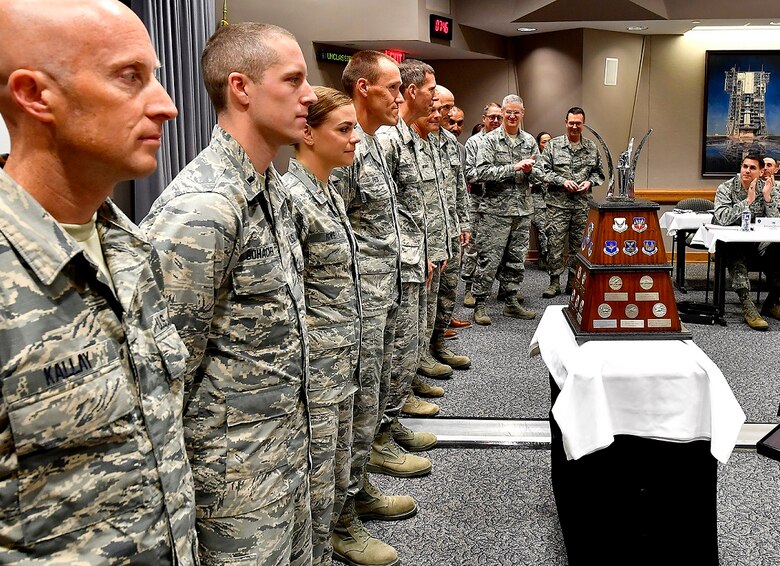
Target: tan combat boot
(468, 299)
(448, 357)
(354, 545)
(481, 316)
(514, 309)
(750, 311)
(417, 407)
(430, 367)
(554, 289)
(372, 504)
(424, 389)
(411, 440)
(391, 460)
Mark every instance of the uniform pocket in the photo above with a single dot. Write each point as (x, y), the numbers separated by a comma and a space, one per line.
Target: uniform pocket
(329, 249)
(75, 437)
(257, 277)
(258, 424)
(173, 352)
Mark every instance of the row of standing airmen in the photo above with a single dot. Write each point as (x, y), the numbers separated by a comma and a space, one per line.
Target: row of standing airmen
(218, 397)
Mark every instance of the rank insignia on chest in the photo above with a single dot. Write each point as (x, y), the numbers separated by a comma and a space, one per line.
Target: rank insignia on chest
(611, 247)
(639, 224)
(629, 247)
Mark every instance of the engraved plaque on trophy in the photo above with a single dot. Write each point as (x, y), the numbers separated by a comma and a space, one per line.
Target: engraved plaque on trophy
(623, 286)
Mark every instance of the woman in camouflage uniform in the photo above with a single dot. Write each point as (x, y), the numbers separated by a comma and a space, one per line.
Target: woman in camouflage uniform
(332, 303)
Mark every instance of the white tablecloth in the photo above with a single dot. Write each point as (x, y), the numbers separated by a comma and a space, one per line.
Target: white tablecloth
(673, 221)
(709, 235)
(661, 389)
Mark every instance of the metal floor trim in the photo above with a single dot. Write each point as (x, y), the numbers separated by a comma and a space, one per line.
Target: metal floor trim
(533, 434)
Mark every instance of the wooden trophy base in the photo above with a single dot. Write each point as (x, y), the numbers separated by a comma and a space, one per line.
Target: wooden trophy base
(623, 286)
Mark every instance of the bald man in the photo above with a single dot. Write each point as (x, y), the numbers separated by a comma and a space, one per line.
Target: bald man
(94, 466)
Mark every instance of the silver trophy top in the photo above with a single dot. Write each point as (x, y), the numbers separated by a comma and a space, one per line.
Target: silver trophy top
(626, 168)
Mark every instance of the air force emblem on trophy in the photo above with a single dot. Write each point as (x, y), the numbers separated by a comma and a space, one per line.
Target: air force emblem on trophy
(628, 289)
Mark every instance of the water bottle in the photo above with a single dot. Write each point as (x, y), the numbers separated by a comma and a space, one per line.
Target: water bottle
(745, 221)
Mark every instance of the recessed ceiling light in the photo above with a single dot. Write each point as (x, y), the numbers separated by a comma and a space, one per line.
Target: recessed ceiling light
(636, 28)
(696, 22)
(526, 30)
(746, 27)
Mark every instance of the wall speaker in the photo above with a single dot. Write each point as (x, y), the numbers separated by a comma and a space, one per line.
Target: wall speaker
(610, 71)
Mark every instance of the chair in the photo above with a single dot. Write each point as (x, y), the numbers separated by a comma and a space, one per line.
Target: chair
(694, 205)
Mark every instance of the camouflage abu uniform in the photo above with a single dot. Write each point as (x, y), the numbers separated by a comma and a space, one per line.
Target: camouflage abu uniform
(401, 146)
(567, 212)
(438, 223)
(475, 195)
(231, 261)
(459, 222)
(506, 209)
(94, 465)
(369, 195)
(730, 203)
(333, 321)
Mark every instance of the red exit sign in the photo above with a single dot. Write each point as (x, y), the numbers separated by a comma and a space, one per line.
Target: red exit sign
(399, 56)
(441, 27)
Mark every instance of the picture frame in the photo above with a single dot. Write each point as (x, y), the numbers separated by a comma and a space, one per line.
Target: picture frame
(736, 125)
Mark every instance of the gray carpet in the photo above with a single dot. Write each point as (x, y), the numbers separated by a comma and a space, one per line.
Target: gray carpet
(495, 507)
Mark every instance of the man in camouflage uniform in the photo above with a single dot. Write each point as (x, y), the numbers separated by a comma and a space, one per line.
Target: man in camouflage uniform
(492, 118)
(455, 127)
(769, 170)
(748, 192)
(94, 463)
(232, 266)
(373, 81)
(459, 229)
(571, 167)
(504, 162)
(438, 226)
(402, 148)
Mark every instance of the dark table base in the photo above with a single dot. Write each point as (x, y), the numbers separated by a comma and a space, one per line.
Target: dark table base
(637, 502)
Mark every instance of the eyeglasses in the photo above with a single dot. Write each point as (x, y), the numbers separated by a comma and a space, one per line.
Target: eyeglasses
(513, 112)
(495, 118)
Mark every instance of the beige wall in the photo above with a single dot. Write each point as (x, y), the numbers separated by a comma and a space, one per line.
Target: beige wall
(475, 83)
(549, 72)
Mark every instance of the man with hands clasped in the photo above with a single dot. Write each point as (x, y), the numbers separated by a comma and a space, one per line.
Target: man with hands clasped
(747, 192)
(571, 167)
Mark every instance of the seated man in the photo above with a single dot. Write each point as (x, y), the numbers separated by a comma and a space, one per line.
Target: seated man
(741, 193)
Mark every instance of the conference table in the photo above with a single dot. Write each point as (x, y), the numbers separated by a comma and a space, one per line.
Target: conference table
(637, 427)
(679, 224)
(717, 240)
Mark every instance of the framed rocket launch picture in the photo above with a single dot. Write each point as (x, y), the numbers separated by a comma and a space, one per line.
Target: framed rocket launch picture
(741, 109)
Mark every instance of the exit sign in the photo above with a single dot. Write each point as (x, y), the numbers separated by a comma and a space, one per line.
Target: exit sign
(441, 27)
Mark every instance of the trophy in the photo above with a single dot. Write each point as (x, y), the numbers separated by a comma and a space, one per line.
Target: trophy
(623, 286)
